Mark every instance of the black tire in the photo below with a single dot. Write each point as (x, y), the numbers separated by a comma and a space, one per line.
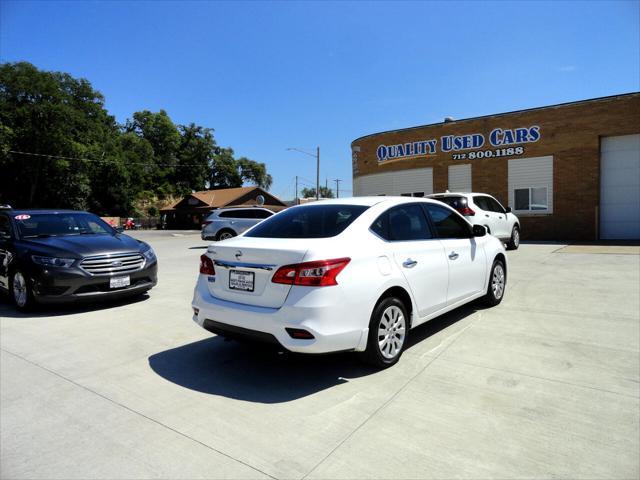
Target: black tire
(386, 311)
(20, 291)
(497, 277)
(225, 234)
(514, 241)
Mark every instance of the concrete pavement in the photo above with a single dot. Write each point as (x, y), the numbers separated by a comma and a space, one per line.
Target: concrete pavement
(544, 385)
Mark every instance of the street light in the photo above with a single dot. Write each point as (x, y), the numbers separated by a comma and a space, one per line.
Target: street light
(317, 155)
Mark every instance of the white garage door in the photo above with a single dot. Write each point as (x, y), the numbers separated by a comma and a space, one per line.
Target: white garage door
(415, 182)
(620, 187)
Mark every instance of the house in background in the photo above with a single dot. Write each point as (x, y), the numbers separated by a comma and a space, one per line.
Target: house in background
(189, 212)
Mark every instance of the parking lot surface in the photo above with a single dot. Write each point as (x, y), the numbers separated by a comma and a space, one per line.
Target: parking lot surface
(545, 385)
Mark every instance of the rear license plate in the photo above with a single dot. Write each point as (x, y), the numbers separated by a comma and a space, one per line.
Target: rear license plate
(239, 280)
(119, 282)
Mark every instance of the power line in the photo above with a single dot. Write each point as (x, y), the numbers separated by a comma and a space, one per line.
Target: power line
(93, 160)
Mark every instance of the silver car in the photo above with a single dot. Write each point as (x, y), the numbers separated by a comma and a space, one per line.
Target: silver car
(229, 222)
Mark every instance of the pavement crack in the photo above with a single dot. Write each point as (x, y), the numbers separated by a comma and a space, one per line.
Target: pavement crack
(135, 412)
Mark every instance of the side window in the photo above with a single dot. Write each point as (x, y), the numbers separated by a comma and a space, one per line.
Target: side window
(405, 223)
(482, 202)
(5, 227)
(494, 205)
(237, 214)
(381, 226)
(262, 214)
(448, 224)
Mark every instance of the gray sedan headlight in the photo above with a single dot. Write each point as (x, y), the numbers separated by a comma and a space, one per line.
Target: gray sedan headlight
(53, 261)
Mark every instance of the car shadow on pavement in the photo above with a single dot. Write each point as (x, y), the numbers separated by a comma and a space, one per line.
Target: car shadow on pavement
(8, 310)
(263, 374)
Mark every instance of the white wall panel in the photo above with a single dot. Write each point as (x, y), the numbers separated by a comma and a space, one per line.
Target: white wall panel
(460, 178)
(395, 183)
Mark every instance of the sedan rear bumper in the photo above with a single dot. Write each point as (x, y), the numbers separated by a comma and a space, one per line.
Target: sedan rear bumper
(330, 325)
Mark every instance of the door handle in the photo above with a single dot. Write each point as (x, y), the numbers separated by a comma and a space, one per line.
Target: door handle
(408, 263)
(486, 215)
(453, 255)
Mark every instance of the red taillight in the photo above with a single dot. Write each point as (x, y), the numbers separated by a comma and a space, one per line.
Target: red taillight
(320, 273)
(286, 275)
(466, 211)
(206, 265)
(205, 223)
(299, 334)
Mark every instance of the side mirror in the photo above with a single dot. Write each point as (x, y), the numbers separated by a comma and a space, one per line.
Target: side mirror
(479, 231)
(507, 210)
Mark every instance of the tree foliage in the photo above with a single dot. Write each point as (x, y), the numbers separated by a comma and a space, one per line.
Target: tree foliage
(80, 157)
(311, 192)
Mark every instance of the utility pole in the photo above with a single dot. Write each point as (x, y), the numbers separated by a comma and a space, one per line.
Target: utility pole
(317, 155)
(295, 201)
(318, 173)
(337, 180)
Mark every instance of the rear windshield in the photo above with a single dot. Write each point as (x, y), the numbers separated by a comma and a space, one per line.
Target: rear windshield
(309, 221)
(454, 202)
(60, 224)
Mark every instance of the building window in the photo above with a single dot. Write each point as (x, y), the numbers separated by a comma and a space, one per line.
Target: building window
(531, 185)
(531, 199)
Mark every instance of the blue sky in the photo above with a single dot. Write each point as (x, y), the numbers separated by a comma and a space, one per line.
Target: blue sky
(272, 75)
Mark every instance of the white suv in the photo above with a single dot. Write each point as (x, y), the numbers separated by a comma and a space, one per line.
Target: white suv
(483, 209)
(229, 222)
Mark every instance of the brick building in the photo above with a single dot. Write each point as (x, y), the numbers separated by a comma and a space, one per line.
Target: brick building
(569, 171)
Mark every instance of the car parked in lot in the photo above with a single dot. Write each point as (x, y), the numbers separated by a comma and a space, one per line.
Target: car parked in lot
(348, 275)
(55, 256)
(228, 222)
(483, 209)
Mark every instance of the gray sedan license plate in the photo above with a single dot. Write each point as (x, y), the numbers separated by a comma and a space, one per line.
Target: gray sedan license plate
(240, 280)
(119, 282)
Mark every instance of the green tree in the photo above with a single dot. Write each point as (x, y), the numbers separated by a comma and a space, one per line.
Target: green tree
(229, 172)
(311, 192)
(54, 115)
(164, 138)
(195, 156)
(59, 147)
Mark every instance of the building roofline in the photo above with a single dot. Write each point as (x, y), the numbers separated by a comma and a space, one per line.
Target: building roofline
(596, 99)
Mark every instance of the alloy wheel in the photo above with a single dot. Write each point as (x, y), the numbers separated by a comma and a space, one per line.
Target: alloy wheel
(497, 281)
(391, 332)
(20, 293)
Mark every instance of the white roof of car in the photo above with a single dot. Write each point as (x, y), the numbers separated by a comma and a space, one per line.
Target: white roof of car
(457, 193)
(366, 201)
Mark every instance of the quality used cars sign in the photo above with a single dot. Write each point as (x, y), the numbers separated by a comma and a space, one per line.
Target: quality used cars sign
(456, 143)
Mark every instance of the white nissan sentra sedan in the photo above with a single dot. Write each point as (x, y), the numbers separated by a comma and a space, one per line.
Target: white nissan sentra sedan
(353, 274)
